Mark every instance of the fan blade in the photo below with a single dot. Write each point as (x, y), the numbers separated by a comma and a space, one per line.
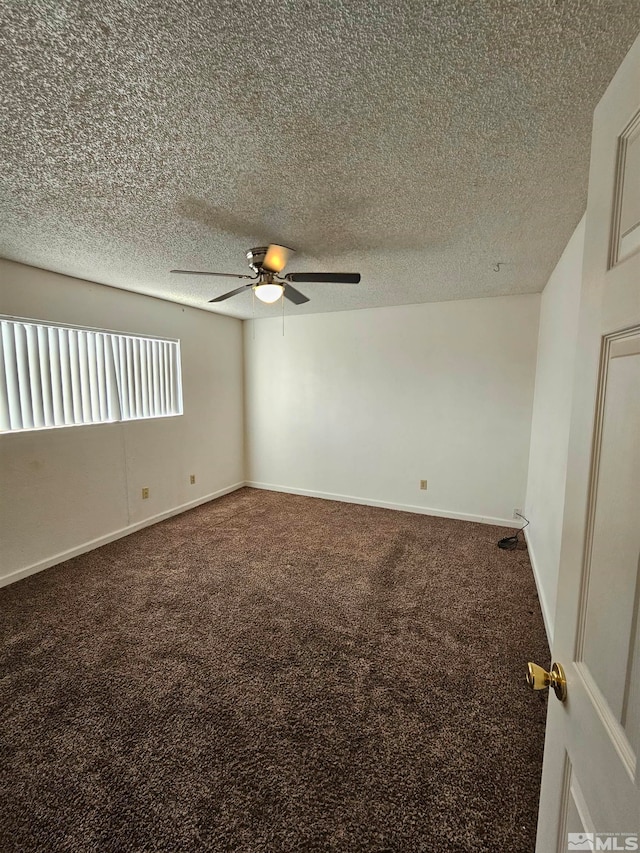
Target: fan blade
(276, 258)
(231, 293)
(294, 295)
(206, 272)
(330, 277)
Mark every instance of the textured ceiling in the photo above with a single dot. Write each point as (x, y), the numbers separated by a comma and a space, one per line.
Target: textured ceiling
(419, 143)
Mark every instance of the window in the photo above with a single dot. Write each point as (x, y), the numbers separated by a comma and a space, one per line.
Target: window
(53, 376)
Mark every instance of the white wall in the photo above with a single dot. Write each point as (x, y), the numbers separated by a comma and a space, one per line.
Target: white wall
(64, 489)
(361, 405)
(559, 310)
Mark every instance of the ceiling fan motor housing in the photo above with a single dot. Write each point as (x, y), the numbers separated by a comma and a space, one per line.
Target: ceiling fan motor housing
(256, 258)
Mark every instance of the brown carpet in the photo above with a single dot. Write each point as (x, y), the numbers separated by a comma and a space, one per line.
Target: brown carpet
(275, 673)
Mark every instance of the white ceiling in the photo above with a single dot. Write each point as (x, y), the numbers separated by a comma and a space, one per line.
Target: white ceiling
(419, 143)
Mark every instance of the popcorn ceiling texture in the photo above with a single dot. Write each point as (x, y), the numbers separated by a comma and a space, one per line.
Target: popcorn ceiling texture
(417, 142)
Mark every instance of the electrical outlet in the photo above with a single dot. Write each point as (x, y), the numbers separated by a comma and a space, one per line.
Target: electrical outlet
(423, 484)
(517, 513)
(192, 479)
(145, 493)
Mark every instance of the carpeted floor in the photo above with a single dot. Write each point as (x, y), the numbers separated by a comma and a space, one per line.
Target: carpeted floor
(275, 673)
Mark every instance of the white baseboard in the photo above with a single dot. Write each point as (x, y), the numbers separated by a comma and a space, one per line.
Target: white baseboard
(350, 499)
(544, 604)
(111, 537)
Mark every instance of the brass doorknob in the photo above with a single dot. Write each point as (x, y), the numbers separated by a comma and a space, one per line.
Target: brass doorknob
(538, 679)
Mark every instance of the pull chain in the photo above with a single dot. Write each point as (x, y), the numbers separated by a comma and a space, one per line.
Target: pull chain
(282, 297)
(253, 313)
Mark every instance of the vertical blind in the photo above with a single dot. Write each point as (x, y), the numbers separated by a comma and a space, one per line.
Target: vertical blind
(56, 376)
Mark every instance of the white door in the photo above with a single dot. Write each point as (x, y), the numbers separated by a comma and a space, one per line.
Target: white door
(591, 776)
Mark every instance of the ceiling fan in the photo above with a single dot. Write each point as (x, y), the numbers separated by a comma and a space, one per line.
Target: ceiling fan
(267, 262)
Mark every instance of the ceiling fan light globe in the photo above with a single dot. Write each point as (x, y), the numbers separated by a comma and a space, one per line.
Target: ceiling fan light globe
(268, 293)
